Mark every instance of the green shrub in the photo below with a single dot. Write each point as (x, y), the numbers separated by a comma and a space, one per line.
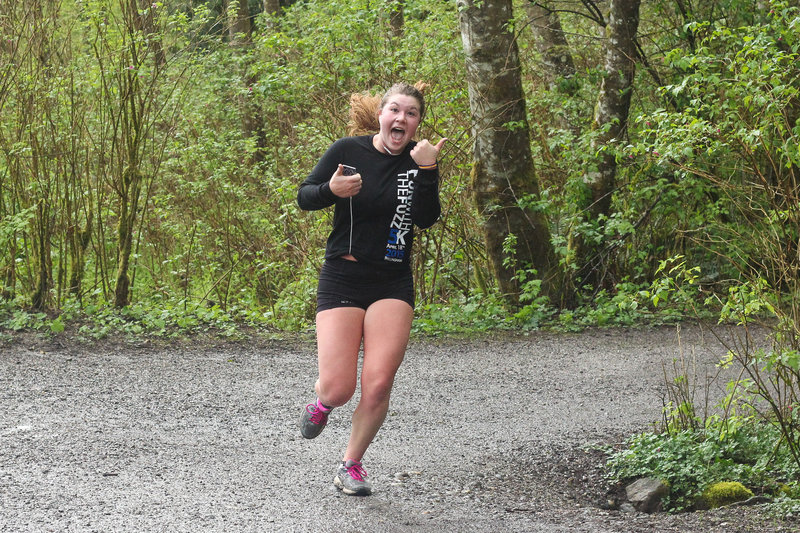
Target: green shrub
(691, 460)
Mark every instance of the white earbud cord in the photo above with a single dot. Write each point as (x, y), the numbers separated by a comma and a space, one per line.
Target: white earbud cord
(350, 249)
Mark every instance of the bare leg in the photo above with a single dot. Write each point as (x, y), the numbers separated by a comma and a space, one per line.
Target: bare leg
(339, 333)
(387, 325)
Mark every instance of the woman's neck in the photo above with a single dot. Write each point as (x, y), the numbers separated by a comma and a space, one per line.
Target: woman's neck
(379, 145)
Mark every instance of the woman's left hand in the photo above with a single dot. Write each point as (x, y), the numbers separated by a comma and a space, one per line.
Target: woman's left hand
(425, 153)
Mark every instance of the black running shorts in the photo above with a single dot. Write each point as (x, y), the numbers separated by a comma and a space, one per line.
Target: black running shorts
(344, 283)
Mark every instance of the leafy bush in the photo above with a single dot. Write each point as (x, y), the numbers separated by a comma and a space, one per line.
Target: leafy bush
(470, 315)
(691, 461)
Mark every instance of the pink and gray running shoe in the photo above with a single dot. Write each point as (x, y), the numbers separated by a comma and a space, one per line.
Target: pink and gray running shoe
(351, 478)
(313, 420)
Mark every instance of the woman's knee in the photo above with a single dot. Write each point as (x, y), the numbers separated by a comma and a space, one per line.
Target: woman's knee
(376, 389)
(335, 392)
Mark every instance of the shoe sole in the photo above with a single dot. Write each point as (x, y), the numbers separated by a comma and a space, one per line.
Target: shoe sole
(313, 436)
(339, 485)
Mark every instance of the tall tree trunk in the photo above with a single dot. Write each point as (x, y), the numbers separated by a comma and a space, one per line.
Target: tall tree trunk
(141, 13)
(240, 33)
(273, 9)
(553, 47)
(239, 27)
(610, 120)
(503, 176)
(396, 16)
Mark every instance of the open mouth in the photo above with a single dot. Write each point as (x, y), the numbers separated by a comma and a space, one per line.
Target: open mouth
(397, 134)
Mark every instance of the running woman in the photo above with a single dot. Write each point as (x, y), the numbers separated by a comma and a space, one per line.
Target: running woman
(381, 186)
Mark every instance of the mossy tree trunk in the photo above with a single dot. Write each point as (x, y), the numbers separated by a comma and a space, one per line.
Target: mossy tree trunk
(610, 122)
(503, 176)
(396, 16)
(551, 42)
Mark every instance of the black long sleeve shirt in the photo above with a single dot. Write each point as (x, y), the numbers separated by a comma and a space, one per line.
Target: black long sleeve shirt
(376, 225)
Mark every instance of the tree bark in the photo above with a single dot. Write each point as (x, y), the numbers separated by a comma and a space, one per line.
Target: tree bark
(79, 239)
(240, 33)
(141, 13)
(553, 47)
(396, 16)
(610, 120)
(130, 186)
(503, 175)
(239, 27)
(273, 7)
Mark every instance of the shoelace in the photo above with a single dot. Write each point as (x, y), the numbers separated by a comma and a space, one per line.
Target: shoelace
(318, 416)
(356, 471)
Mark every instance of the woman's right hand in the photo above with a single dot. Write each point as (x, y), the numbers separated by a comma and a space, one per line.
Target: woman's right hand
(345, 186)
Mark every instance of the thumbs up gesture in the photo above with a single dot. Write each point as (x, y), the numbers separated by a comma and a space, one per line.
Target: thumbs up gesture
(425, 154)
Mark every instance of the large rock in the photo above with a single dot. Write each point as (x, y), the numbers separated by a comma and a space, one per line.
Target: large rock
(645, 494)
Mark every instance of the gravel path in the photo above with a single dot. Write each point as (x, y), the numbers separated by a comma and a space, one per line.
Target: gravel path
(487, 434)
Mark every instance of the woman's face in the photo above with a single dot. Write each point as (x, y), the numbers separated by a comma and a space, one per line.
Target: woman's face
(398, 119)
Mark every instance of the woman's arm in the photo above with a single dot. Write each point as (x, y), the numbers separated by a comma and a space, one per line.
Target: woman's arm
(315, 191)
(425, 207)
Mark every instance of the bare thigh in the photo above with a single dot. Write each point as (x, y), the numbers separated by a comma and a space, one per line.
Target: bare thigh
(339, 334)
(387, 326)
